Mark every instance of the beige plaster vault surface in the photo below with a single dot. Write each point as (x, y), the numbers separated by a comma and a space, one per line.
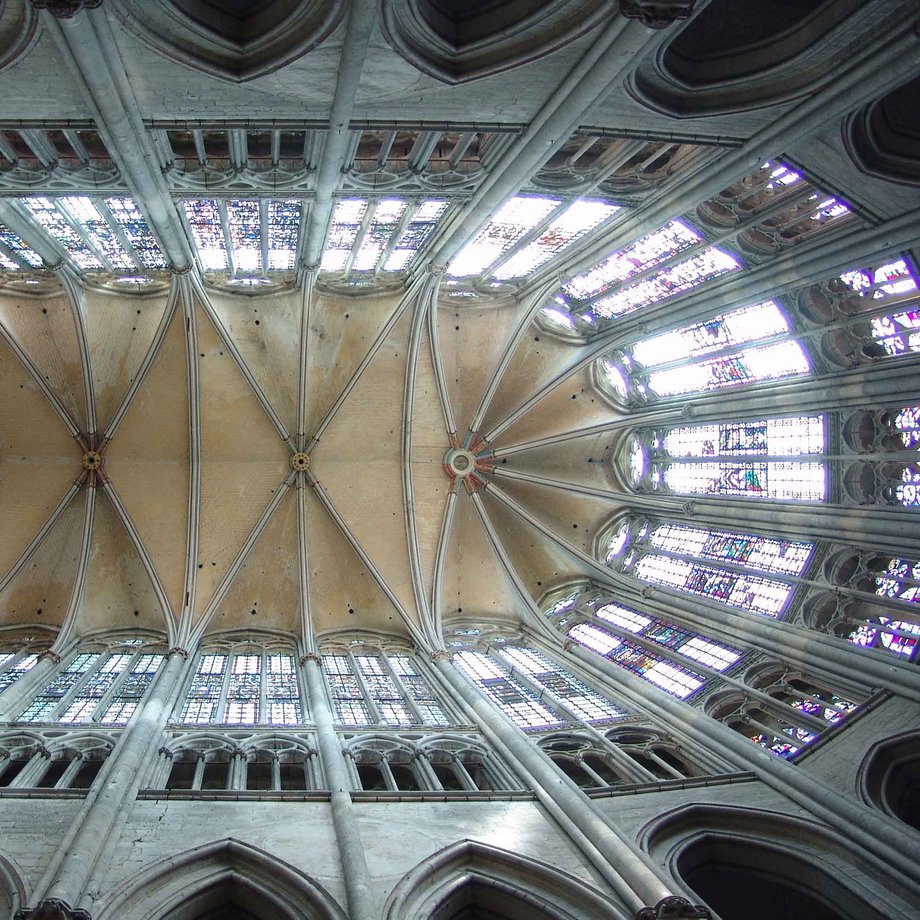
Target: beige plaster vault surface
(197, 524)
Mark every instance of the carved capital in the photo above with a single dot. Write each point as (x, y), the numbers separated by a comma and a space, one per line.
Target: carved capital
(53, 657)
(165, 752)
(65, 9)
(674, 908)
(656, 14)
(178, 650)
(311, 656)
(52, 909)
(440, 654)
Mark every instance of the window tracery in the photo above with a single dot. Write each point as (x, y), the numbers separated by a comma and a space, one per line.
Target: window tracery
(13, 664)
(657, 649)
(774, 458)
(747, 571)
(378, 236)
(792, 711)
(371, 686)
(244, 685)
(104, 686)
(98, 234)
(533, 691)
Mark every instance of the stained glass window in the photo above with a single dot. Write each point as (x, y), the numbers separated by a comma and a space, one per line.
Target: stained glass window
(580, 699)
(347, 698)
(50, 698)
(131, 690)
(678, 556)
(645, 253)
(368, 689)
(244, 688)
(94, 686)
(128, 216)
(420, 693)
(16, 246)
(783, 557)
(896, 636)
(13, 667)
(245, 234)
(85, 214)
(692, 472)
(513, 698)
(506, 227)
(203, 218)
(382, 235)
(249, 235)
(423, 221)
(598, 637)
(761, 321)
(676, 279)
(899, 580)
(891, 280)
(575, 222)
(57, 226)
(83, 703)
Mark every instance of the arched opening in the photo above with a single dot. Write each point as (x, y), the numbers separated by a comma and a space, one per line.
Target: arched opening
(743, 880)
(734, 38)
(230, 899)
(891, 778)
(371, 777)
(229, 880)
(477, 901)
(474, 881)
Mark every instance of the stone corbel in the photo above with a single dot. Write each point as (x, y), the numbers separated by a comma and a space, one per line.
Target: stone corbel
(52, 909)
(674, 908)
(657, 14)
(65, 9)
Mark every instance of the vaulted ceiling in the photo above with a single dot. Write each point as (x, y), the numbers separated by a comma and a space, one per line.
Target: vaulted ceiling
(151, 441)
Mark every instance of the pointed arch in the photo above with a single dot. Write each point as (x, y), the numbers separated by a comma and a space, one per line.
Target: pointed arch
(13, 891)
(513, 885)
(223, 872)
(714, 849)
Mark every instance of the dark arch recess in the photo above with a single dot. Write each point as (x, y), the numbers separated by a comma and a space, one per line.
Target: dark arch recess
(460, 40)
(884, 138)
(233, 39)
(738, 54)
(890, 777)
(746, 881)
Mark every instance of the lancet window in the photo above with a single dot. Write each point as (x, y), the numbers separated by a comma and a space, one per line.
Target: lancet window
(657, 649)
(748, 345)
(244, 685)
(370, 686)
(369, 236)
(747, 571)
(98, 234)
(775, 458)
(525, 233)
(244, 237)
(533, 691)
(103, 686)
(13, 664)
